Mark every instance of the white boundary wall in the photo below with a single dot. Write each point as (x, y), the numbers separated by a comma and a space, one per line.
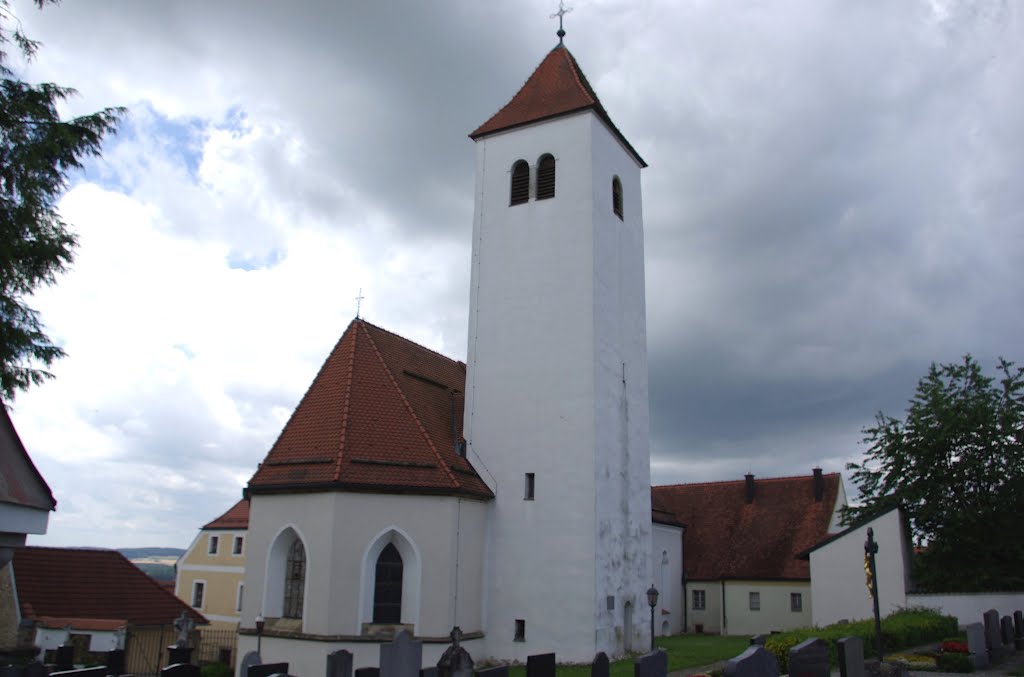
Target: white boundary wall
(968, 607)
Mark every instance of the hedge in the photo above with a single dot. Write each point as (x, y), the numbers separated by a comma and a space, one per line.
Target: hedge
(901, 630)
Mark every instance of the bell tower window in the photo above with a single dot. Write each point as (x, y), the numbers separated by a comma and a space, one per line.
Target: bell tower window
(520, 190)
(545, 177)
(617, 197)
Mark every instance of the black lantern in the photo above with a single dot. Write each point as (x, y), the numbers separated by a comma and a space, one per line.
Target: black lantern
(259, 633)
(652, 600)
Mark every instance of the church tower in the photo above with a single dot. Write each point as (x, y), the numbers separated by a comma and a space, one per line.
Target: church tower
(556, 417)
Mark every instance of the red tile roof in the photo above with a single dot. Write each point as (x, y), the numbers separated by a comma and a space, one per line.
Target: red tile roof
(91, 584)
(383, 414)
(20, 481)
(237, 517)
(557, 87)
(726, 537)
(106, 624)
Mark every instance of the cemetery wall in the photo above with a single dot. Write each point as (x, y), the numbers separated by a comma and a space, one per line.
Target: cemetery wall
(838, 589)
(776, 610)
(968, 607)
(710, 617)
(8, 609)
(667, 555)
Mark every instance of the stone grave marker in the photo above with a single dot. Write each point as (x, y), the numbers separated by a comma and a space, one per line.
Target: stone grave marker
(266, 669)
(756, 661)
(115, 662)
(35, 669)
(1018, 630)
(10, 671)
(757, 640)
(339, 663)
(180, 670)
(992, 638)
(65, 659)
(497, 671)
(851, 657)
(248, 660)
(179, 654)
(455, 661)
(653, 664)
(367, 672)
(809, 658)
(1006, 625)
(976, 645)
(402, 657)
(540, 665)
(429, 671)
(600, 666)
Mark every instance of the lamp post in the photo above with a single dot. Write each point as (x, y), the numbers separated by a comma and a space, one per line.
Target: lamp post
(260, 622)
(652, 600)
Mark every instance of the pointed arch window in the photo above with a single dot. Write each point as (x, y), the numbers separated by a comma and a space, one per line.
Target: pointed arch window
(387, 593)
(520, 189)
(546, 177)
(294, 580)
(617, 197)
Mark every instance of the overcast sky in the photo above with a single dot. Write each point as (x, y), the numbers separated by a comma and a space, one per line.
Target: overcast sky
(834, 200)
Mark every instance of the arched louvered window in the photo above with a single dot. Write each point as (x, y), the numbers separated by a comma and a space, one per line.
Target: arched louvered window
(545, 177)
(520, 191)
(387, 593)
(294, 580)
(617, 197)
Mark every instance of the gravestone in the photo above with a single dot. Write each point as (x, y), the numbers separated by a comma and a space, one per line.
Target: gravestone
(1006, 626)
(429, 671)
(455, 661)
(757, 640)
(248, 660)
(540, 665)
(367, 672)
(976, 645)
(115, 662)
(402, 657)
(180, 670)
(100, 671)
(851, 657)
(179, 654)
(266, 669)
(992, 638)
(1018, 630)
(497, 671)
(35, 669)
(756, 661)
(65, 659)
(809, 658)
(600, 667)
(653, 664)
(339, 663)
(10, 671)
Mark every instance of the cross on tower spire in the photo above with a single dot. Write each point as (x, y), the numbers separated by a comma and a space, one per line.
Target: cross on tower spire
(562, 11)
(359, 301)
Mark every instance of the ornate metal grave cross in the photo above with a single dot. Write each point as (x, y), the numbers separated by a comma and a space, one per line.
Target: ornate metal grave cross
(870, 550)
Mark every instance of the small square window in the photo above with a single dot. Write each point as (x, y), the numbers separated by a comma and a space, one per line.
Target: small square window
(796, 601)
(528, 493)
(610, 602)
(214, 542)
(699, 600)
(198, 588)
(755, 601)
(520, 631)
(236, 548)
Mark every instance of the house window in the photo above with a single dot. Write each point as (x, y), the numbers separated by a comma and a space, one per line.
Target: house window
(236, 547)
(796, 601)
(238, 597)
(520, 631)
(198, 588)
(520, 190)
(699, 601)
(214, 542)
(617, 197)
(387, 593)
(294, 580)
(528, 491)
(545, 177)
(755, 601)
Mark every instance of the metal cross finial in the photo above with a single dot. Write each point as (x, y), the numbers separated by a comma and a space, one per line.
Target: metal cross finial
(359, 301)
(562, 11)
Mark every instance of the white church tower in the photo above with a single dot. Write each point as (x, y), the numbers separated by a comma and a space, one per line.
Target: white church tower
(556, 415)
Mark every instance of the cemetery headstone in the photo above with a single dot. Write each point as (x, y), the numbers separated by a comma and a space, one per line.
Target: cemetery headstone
(540, 665)
(600, 666)
(65, 658)
(248, 660)
(100, 671)
(977, 646)
(339, 663)
(35, 669)
(756, 661)
(267, 669)
(757, 640)
(455, 661)
(367, 672)
(180, 670)
(653, 664)
(992, 638)
(115, 662)
(10, 671)
(497, 671)
(402, 657)
(809, 658)
(851, 657)
(177, 654)
(1018, 630)
(1007, 627)
(428, 671)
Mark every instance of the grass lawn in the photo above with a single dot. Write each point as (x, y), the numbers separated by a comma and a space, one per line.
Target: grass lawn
(684, 651)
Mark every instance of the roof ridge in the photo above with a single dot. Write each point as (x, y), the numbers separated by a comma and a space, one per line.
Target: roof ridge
(741, 481)
(576, 73)
(409, 340)
(348, 398)
(409, 408)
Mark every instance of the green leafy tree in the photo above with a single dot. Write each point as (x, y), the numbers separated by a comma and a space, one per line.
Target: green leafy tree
(955, 464)
(38, 151)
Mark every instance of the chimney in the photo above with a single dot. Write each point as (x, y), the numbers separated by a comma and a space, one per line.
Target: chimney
(750, 487)
(819, 486)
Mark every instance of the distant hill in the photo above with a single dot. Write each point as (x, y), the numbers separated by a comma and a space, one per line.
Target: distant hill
(141, 553)
(159, 572)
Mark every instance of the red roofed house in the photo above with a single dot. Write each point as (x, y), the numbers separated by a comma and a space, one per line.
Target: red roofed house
(742, 575)
(25, 498)
(508, 495)
(97, 599)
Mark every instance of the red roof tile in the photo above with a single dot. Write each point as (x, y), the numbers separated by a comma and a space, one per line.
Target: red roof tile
(91, 584)
(383, 414)
(107, 624)
(20, 481)
(726, 537)
(557, 87)
(237, 517)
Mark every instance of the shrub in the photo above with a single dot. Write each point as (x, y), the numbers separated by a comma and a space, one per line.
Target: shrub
(955, 662)
(215, 670)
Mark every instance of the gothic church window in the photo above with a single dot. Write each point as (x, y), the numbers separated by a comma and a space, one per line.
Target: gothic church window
(617, 197)
(520, 190)
(294, 580)
(545, 177)
(387, 594)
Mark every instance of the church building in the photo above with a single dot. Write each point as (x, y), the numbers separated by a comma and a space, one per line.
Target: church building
(508, 495)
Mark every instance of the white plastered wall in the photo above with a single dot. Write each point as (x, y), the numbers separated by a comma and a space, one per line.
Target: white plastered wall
(667, 556)
(710, 617)
(776, 612)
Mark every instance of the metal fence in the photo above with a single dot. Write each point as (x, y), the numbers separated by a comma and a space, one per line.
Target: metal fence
(146, 648)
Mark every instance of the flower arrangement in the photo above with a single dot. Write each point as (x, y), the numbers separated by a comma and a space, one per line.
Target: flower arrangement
(951, 646)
